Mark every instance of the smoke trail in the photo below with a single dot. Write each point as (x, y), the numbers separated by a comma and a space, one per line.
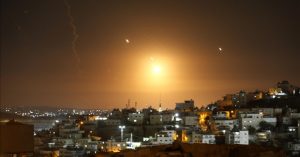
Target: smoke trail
(74, 31)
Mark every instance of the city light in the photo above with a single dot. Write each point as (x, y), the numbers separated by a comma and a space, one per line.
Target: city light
(122, 127)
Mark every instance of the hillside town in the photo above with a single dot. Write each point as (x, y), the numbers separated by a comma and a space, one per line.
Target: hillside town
(264, 118)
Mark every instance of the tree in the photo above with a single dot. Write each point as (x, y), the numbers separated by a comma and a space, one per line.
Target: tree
(251, 130)
(266, 126)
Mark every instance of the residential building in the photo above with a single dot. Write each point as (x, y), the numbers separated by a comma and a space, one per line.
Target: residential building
(167, 118)
(222, 115)
(165, 137)
(226, 123)
(191, 120)
(136, 118)
(187, 105)
(70, 131)
(156, 119)
(236, 136)
(253, 119)
(198, 137)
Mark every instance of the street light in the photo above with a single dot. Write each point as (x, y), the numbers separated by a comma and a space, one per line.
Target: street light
(122, 127)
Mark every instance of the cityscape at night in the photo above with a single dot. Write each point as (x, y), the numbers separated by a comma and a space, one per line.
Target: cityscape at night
(150, 78)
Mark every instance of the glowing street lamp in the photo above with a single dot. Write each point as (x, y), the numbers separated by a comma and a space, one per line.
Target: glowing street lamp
(122, 127)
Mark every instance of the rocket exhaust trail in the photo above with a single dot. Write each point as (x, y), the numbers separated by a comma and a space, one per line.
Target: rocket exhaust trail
(74, 32)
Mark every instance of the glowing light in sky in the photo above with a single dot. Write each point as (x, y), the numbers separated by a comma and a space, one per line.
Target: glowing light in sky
(156, 69)
(127, 41)
(220, 49)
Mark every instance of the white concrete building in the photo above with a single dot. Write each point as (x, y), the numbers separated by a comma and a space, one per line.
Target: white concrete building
(208, 139)
(133, 145)
(221, 115)
(226, 123)
(253, 119)
(237, 137)
(203, 138)
(165, 137)
(271, 120)
(157, 119)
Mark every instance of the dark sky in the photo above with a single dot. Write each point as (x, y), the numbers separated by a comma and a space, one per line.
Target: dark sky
(259, 39)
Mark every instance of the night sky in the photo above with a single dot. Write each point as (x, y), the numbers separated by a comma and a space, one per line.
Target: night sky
(119, 43)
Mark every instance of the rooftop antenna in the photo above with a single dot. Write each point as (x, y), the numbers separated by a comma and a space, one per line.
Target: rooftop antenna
(159, 109)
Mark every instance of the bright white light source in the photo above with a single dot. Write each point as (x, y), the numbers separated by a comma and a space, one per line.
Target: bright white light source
(127, 41)
(156, 69)
(220, 49)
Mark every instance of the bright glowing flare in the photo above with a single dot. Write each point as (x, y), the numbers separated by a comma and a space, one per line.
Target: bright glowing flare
(156, 69)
